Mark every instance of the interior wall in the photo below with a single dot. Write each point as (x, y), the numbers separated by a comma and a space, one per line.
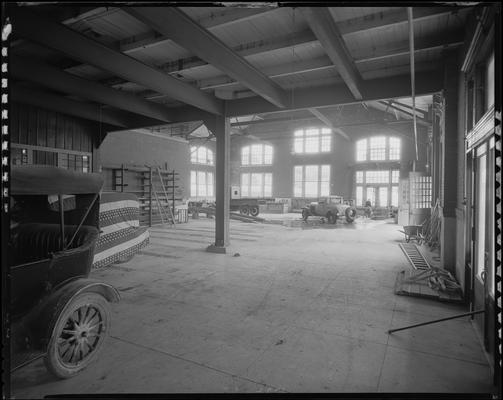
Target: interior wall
(133, 148)
(35, 126)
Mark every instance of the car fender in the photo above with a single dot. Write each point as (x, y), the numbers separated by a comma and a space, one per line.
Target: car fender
(44, 317)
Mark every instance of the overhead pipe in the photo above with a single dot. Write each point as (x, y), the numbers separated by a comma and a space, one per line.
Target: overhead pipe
(412, 78)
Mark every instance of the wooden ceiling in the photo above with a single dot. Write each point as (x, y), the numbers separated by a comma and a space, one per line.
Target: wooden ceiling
(136, 67)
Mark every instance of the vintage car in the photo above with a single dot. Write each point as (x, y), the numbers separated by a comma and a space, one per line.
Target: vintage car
(56, 310)
(331, 207)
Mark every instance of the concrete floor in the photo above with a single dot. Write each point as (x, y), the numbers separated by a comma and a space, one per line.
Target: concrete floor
(301, 309)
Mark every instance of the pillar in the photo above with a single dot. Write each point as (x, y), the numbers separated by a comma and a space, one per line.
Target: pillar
(449, 160)
(220, 126)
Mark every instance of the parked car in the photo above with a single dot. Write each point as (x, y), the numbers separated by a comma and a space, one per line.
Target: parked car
(332, 208)
(57, 312)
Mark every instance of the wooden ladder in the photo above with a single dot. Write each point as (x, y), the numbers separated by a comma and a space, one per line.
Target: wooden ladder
(170, 212)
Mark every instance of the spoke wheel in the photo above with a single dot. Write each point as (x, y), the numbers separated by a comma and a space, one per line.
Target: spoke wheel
(244, 210)
(254, 211)
(78, 335)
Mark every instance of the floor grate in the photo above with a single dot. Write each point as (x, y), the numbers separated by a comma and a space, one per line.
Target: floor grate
(415, 258)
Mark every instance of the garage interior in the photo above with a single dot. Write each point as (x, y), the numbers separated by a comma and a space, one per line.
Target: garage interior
(246, 135)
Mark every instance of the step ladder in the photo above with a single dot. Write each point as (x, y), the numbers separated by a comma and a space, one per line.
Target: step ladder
(170, 216)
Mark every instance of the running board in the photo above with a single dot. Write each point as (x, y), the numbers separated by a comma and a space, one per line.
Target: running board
(414, 256)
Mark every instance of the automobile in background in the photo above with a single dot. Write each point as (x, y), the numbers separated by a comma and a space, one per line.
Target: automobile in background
(331, 208)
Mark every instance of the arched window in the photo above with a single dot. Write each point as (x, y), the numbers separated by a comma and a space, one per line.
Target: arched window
(256, 154)
(201, 155)
(378, 148)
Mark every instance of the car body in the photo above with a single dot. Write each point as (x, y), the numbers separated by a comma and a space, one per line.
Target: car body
(332, 208)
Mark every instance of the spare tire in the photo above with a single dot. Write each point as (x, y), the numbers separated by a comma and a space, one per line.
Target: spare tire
(350, 213)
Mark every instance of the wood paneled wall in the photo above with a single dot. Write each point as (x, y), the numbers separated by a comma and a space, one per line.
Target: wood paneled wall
(37, 127)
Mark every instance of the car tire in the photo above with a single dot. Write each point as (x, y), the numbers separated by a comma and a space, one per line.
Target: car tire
(350, 214)
(78, 335)
(244, 210)
(254, 211)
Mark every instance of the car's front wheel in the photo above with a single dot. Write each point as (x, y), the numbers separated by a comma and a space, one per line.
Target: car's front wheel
(350, 214)
(78, 335)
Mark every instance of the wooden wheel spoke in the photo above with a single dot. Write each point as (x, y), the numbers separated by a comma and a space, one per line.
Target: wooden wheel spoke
(89, 317)
(94, 326)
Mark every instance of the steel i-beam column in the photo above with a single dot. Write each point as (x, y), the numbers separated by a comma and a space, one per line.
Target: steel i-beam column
(220, 126)
(449, 162)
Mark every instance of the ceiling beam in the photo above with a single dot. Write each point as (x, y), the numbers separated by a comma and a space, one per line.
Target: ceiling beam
(420, 120)
(43, 74)
(86, 50)
(322, 24)
(79, 109)
(361, 56)
(178, 26)
(315, 97)
(355, 25)
(225, 17)
(323, 118)
(383, 20)
(424, 113)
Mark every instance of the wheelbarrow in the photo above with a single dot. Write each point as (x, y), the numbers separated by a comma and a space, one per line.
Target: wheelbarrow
(413, 232)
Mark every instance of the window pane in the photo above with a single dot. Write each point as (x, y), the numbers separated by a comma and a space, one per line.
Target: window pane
(201, 155)
(326, 143)
(371, 195)
(245, 185)
(267, 154)
(298, 145)
(210, 157)
(394, 196)
(359, 176)
(298, 173)
(383, 196)
(312, 144)
(325, 173)
(245, 155)
(256, 185)
(325, 189)
(193, 184)
(359, 196)
(297, 189)
(311, 189)
(378, 148)
(311, 173)
(209, 180)
(395, 176)
(267, 185)
(193, 154)
(377, 176)
(394, 148)
(361, 150)
(201, 183)
(256, 154)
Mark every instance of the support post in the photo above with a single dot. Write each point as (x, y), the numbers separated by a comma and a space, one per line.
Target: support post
(220, 126)
(150, 178)
(449, 160)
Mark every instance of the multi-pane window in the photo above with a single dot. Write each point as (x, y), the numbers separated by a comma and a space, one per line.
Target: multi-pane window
(312, 140)
(377, 176)
(394, 148)
(311, 180)
(201, 155)
(420, 191)
(378, 186)
(74, 162)
(257, 184)
(378, 148)
(201, 184)
(256, 154)
(361, 150)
